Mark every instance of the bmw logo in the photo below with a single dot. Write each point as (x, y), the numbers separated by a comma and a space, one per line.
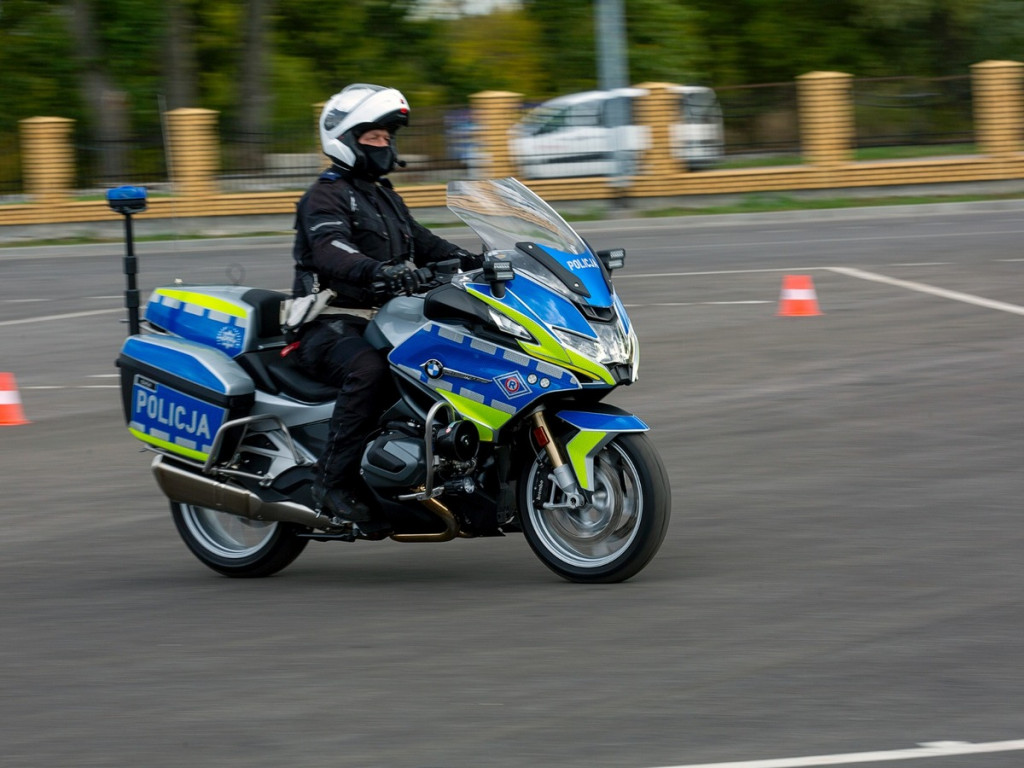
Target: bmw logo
(433, 368)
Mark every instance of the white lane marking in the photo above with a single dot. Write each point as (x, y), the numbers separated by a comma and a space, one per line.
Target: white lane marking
(923, 264)
(104, 375)
(715, 272)
(68, 316)
(925, 750)
(79, 386)
(966, 298)
(694, 303)
(854, 238)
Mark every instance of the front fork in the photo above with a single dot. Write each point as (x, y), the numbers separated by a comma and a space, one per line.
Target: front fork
(562, 472)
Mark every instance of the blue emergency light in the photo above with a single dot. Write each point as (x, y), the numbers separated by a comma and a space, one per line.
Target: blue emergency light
(127, 200)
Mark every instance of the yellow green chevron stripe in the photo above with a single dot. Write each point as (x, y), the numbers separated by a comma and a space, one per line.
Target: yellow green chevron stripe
(169, 446)
(486, 418)
(548, 347)
(579, 449)
(205, 301)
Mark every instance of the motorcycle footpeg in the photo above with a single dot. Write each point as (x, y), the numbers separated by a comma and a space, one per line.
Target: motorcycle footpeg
(330, 529)
(373, 532)
(346, 530)
(332, 524)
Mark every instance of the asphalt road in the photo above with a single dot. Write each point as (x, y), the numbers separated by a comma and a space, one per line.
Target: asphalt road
(842, 575)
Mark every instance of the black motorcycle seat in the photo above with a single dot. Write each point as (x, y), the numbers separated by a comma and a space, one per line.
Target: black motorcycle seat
(270, 371)
(296, 384)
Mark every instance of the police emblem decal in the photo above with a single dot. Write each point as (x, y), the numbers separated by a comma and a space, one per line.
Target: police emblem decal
(229, 338)
(512, 385)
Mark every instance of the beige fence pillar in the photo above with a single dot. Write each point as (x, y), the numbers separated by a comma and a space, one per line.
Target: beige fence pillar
(826, 117)
(494, 113)
(47, 164)
(658, 111)
(998, 106)
(194, 151)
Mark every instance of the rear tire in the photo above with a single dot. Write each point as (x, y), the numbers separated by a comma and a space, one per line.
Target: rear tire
(236, 546)
(617, 534)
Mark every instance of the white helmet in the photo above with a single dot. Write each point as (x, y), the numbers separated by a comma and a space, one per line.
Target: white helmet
(352, 112)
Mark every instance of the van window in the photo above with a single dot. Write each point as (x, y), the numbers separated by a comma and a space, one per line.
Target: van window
(608, 109)
(543, 120)
(586, 114)
(700, 107)
(550, 119)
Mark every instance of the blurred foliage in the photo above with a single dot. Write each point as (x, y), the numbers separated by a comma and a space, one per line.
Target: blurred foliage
(757, 41)
(543, 48)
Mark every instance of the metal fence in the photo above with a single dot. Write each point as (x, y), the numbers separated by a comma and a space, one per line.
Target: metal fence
(429, 147)
(761, 121)
(913, 111)
(10, 165)
(137, 160)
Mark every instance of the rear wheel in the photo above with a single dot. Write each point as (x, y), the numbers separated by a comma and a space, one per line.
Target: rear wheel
(236, 546)
(618, 532)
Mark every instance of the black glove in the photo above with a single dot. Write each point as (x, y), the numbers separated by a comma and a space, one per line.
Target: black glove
(468, 261)
(399, 278)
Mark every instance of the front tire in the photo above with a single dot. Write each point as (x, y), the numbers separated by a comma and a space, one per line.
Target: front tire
(614, 536)
(236, 546)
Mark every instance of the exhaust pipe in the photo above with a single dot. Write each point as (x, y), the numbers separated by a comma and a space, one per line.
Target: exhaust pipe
(188, 487)
(451, 525)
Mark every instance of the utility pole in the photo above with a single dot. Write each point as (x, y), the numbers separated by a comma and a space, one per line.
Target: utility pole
(613, 72)
(612, 66)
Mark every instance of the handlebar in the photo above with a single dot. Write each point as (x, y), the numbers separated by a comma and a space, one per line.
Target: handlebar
(432, 275)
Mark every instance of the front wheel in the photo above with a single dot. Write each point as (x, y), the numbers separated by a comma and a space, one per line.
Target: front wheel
(618, 532)
(236, 546)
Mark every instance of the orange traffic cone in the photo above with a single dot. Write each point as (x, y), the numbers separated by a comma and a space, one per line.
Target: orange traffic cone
(10, 402)
(798, 297)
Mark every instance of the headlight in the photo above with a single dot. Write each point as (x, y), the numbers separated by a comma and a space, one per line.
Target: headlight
(634, 343)
(509, 326)
(611, 347)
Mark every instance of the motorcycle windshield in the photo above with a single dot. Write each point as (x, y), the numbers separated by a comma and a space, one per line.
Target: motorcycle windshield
(508, 217)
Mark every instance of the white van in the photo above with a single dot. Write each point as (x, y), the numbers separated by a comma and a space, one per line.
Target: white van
(573, 135)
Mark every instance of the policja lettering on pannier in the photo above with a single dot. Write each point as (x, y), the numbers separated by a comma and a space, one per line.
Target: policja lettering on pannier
(173, 415)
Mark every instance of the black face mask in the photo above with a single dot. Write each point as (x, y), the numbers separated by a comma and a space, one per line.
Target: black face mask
(379, 160)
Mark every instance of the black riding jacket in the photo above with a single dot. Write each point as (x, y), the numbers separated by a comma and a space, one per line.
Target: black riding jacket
(346, 227)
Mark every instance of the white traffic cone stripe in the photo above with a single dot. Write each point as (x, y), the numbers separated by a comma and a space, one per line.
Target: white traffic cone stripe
(796, 294)
(9, 398)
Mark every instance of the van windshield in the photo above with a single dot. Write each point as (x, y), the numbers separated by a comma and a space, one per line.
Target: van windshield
(700, 107)
(543, 120)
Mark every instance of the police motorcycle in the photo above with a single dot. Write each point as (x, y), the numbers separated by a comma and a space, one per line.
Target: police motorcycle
(500, 425)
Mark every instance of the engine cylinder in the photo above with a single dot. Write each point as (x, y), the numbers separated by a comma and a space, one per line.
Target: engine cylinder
(395, 460)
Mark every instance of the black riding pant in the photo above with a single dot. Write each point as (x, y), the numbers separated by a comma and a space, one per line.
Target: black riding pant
(333, 351)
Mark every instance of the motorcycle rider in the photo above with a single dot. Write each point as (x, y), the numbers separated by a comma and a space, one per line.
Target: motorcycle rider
(355, 236)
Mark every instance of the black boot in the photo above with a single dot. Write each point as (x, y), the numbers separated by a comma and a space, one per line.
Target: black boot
(342, 504)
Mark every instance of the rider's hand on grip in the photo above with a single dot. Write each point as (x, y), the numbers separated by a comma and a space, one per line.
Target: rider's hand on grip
(399, 278)
(469, 261)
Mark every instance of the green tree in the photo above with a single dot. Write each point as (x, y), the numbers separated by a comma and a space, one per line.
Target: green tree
(997, 32)
(40, 76)
(495, 52)
(665, 42)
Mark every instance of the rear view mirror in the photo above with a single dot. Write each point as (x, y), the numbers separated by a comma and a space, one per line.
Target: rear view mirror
(613, 259)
